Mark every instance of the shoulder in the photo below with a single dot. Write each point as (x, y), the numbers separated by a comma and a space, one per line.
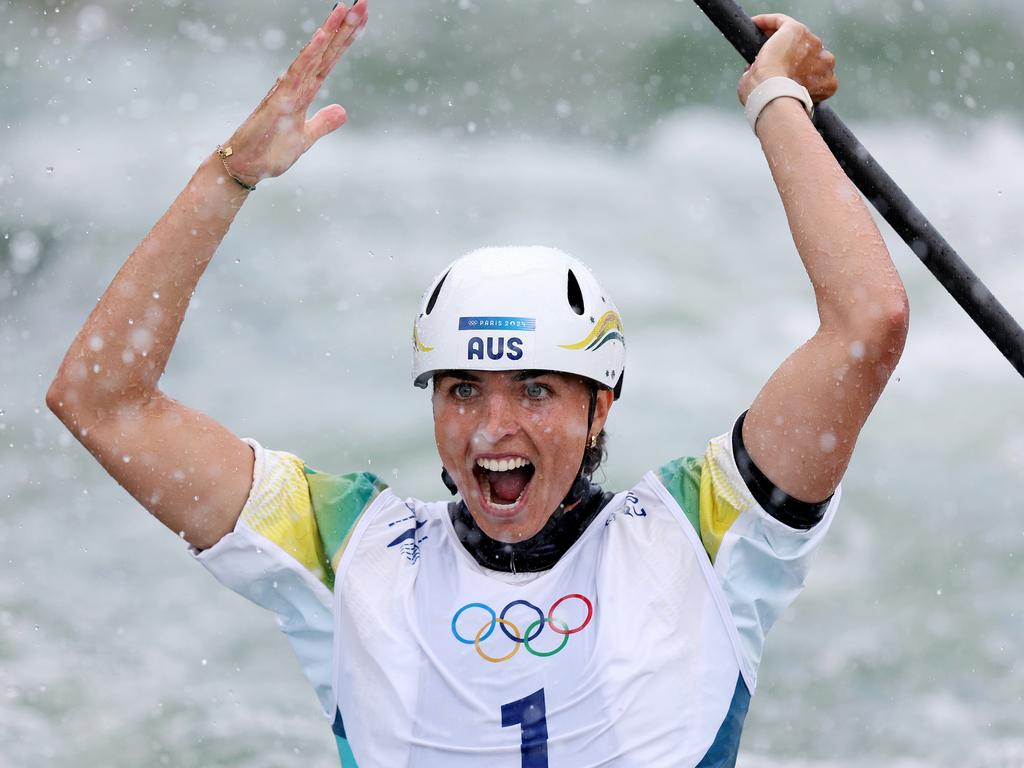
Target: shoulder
(338, 502)
(307, 513)
(724, 486)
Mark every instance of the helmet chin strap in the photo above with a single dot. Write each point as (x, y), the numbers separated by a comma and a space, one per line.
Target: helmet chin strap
(448, 482)
(580, 488)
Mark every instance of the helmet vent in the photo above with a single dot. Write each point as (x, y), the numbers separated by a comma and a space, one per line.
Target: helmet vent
(574, 294)
(436, 293)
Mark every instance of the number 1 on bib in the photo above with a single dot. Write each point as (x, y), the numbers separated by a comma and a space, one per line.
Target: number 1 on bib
(530, 713)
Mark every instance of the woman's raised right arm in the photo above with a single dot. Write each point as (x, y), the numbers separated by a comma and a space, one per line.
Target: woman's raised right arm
(189, 471)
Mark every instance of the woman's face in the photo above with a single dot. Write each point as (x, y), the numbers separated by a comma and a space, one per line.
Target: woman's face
(513, 441)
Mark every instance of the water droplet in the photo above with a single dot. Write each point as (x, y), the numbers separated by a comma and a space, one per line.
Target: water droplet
(273, 39)
(827, 442)
(26, 251)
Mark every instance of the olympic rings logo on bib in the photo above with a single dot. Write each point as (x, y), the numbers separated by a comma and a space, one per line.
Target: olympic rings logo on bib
(521, 639)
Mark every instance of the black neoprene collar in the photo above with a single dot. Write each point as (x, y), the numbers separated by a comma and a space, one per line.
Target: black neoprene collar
(542, 550)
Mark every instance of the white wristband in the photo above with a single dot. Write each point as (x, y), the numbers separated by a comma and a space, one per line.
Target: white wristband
(771, 89)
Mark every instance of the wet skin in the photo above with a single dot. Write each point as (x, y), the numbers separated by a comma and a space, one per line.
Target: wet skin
(505, 415)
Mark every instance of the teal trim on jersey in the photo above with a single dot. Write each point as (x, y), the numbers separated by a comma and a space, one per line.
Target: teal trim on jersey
(726, 747)
(682, 479)
(348, 760)
(338, 501)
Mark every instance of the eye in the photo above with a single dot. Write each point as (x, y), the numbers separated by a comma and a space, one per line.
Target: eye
(536, 391)
(463, 390)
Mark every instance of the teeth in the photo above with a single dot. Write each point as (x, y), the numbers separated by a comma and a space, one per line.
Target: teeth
(502, 465)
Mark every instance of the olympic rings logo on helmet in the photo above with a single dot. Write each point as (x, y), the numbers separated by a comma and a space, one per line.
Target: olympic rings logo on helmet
(511, 631)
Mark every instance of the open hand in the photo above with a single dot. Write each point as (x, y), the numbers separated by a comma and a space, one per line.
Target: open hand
(277, 133)
(792, 51)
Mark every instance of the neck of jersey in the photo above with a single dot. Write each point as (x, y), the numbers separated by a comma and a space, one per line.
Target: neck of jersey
(537, 553)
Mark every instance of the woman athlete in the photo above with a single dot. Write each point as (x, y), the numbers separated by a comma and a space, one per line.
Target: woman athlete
(535, 620)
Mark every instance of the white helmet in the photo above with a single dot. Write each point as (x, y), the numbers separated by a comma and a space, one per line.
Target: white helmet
(519, 308)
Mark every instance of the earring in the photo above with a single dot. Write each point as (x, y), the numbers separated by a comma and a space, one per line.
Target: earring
(593, 441)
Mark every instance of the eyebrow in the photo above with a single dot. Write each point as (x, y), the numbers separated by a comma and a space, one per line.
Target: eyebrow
(474, 377)
(531, 374)
(457, 374)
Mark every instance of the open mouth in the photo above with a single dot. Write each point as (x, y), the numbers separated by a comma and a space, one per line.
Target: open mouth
(503, 482)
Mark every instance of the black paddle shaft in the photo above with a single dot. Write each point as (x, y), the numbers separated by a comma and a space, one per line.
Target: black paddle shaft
(890, 201)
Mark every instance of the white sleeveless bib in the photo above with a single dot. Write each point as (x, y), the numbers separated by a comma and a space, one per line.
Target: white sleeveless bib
(623, 654)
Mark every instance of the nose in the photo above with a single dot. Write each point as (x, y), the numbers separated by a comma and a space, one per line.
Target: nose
(499, 418)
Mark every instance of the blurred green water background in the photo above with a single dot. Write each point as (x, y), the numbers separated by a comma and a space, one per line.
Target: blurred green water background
(611, 130)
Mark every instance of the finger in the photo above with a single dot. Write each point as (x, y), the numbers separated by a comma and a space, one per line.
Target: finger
(341, 25)
(822, 87)
(308, 58)
(345, 37)
(341, 19)
(335, 18)
(325, 121)
(353, 21)
(770, 22)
